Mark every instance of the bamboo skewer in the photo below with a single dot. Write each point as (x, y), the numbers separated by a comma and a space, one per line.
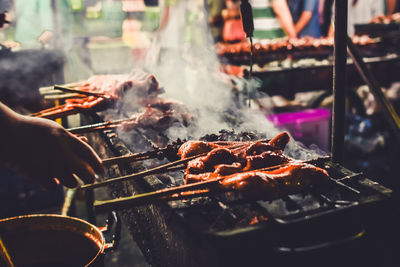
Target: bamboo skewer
(168, 194)
(48, 89)
(133, 157)
(160, 169)
(72, 90)
(129, 158)
(97, 126)
(62, 96)
(44, 111)
(150, 154)
(59, 112)
(5, 256)
(175, 193)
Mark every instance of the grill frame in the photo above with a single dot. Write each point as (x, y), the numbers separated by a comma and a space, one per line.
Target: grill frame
(188, 244)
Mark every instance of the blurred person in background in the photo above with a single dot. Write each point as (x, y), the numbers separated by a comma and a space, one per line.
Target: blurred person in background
(36, 22)
(392, 6)
(305, 17)
(51, 24)
(360, 12)
(363, 11)
(272, 19)
(214, 10)
(233, 26)
(183, 29)
(170, 36)
(325, 10)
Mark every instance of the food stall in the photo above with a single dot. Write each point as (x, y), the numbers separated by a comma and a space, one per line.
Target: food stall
(191, 194)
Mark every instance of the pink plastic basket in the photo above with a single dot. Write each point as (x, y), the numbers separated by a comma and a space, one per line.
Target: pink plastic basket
(311, 126)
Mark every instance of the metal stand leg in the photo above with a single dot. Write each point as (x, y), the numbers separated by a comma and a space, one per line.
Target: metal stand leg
(339, 81)
(387, 107)
(89, 207)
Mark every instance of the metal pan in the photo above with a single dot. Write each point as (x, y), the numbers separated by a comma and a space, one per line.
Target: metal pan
(55, 240)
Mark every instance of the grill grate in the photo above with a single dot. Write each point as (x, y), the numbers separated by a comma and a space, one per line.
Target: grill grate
(227, 211)
(228, 229)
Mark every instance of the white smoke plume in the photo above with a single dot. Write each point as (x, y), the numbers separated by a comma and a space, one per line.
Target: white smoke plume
(184, 61)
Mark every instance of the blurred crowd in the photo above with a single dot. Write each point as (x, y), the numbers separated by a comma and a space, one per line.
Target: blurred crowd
(291, 18)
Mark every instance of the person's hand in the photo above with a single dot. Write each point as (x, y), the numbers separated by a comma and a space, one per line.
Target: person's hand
(44, 151)
(3, 19)
(46, 37)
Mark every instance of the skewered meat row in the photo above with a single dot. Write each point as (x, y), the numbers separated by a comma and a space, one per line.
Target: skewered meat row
(267, 185)
(225, 156)
(229, 174)
(150, 117)
(285, 45)
(191, 148)
(144, 84)
(198, 170)
(387, 19)
(159, 114)
(247, 168)
(76, 105)
(112, 88)
(159, 117)
(226, 160)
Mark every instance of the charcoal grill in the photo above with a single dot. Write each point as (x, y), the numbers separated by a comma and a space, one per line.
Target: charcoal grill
(347, 224)
(229, 230)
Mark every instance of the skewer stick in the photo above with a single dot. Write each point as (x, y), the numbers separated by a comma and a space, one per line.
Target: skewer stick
(168, 194)
(153, 154)
(160, 169)
(62, 96)
(46, 89)
(5, 256)
(51, 115)
(71, 90)
(96, 126)
(179, 192)
(131, 157)
(44, 111)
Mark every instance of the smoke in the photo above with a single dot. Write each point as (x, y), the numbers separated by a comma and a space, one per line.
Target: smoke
(184, 61)
(186, 65)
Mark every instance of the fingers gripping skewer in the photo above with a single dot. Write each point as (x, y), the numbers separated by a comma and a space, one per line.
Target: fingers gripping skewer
(96, 127)
(179, 164)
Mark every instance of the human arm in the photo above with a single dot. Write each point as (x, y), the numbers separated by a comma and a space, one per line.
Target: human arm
(390, 6)
(42, 150)
(309, 7)
(282, 12)
(303, 21)
(164, 19)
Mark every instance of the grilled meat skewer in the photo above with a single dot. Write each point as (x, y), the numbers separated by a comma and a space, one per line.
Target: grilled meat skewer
(259, 184)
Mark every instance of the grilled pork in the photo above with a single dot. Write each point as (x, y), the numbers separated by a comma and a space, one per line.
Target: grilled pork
(268, 185)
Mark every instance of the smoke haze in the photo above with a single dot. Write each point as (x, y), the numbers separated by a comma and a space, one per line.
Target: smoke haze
(184, 60)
